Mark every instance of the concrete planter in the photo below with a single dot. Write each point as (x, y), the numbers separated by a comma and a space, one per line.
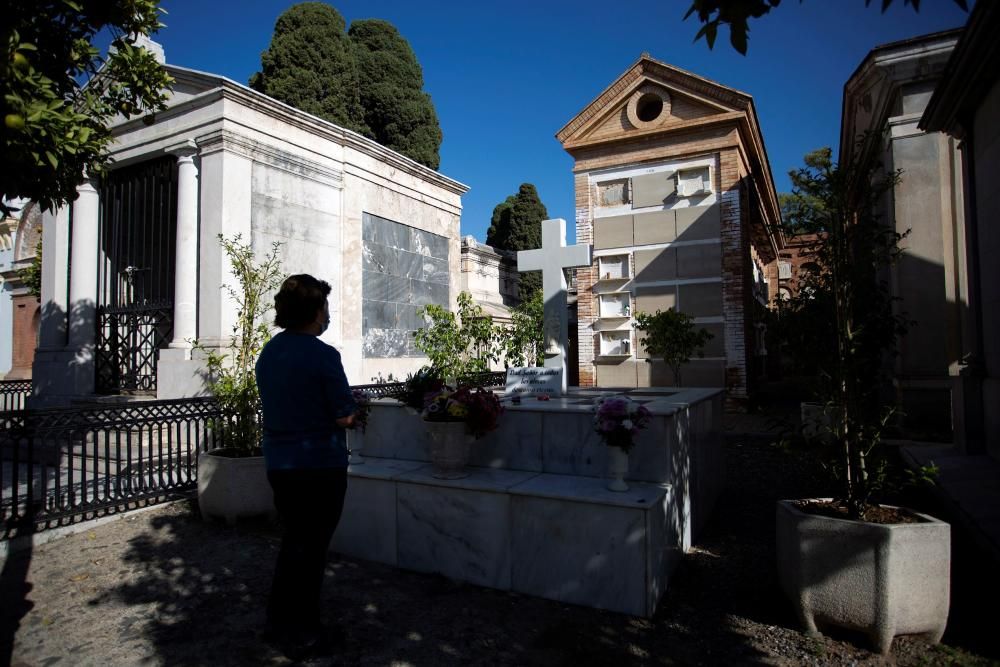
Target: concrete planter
(231, 488)
(883, 580)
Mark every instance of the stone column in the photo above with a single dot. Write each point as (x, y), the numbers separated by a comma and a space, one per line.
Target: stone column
(186, 264)
(83, 267)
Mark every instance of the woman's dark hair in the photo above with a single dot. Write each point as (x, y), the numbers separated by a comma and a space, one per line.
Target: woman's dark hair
(298, 301)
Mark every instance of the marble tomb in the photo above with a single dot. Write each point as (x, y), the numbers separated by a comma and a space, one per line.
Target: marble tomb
(534, 515)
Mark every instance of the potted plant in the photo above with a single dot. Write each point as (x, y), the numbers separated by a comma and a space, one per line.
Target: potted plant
(454, 418)
(232, 479)
(618, 420)
(850, 561)
(672, 337)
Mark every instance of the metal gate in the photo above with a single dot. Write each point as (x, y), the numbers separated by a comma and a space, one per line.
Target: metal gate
(136, 290)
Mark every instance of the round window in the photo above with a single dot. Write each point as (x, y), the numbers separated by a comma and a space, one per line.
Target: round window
(649, 107)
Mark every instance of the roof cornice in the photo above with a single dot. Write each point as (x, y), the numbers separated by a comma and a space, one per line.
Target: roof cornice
(970, 72)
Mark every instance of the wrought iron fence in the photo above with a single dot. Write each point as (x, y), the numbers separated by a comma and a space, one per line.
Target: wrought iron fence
(60, 463)
(13, 394)
(396, 389)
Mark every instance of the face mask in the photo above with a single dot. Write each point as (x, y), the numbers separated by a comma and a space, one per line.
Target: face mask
(326, 325)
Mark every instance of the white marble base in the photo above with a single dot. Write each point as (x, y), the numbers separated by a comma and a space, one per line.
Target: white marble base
(565, 538)
(367, 527)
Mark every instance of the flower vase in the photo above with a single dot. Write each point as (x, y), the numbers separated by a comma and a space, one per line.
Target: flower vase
(449, 449)
(617, 469)
(355, 443)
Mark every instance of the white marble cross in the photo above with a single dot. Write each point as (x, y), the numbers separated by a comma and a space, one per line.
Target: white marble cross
(551, 259)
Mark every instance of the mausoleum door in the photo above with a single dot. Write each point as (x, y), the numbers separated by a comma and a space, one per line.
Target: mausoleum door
(138, 220)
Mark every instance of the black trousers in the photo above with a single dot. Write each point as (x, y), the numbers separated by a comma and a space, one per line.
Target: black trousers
(309, 503)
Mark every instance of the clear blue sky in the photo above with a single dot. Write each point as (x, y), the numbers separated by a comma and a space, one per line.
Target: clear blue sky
(505, 76)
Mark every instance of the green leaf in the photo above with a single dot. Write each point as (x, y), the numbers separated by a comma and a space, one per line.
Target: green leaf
(53, 160)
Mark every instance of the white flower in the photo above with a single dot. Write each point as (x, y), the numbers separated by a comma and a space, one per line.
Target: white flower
(627, 424)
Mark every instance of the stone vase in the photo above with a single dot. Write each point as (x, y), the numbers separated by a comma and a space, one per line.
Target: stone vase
(355, 443)
(617, 468)
(449, 449)
(882, 580)
(232, 487)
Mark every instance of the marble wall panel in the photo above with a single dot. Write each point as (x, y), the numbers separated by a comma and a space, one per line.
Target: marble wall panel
(653, 189)
(700, 299)
(403, 267)
(571, 447)
(580, 553)
(659, 264)
(699, 261)
(515, 445)
(700, 222)
(458, 532)
(614, 232)
(393, 433)
(655, 227)
(367, 527)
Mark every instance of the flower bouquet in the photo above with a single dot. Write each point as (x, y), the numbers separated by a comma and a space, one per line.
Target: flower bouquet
(418, 385)
(479, 408)
(618, 420)
(356, 432)
(453, 418)
(363, 401)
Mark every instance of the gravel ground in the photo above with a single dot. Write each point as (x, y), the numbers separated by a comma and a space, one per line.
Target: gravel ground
(163, 588)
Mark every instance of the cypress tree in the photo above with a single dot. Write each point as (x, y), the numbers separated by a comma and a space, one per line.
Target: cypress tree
(398, 113)
(310, 65)
(517, 225)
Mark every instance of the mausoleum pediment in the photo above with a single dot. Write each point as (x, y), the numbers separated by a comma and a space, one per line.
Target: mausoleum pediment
(650, 97)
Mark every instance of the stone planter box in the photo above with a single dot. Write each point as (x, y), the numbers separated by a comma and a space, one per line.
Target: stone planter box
(882, 580)
(232, 488)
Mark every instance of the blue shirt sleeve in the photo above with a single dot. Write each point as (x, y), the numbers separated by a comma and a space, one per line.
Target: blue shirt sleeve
(337, 389)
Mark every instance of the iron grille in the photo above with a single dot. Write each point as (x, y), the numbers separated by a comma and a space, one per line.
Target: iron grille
(136, 273)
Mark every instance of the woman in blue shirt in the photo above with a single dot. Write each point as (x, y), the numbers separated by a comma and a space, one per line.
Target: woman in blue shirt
(306, 404)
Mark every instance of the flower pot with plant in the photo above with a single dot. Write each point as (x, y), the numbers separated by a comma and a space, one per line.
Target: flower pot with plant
(232, 479)
(851, 561)
(454, 419)
(618, 420)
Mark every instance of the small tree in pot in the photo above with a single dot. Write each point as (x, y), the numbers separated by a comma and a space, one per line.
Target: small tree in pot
(232, 480)
(847, 560)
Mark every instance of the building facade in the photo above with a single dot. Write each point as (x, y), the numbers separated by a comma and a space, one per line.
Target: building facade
(883, 102)
(139, 274)
(966, 105)
(674, 191)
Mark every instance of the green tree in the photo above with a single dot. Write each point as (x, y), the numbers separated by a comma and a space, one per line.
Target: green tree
(523, 342)
(737, 14)
(843, 320)
(397, 112)
(310, 65)
(517, 225)
(230, 376)
(671, 336)
(31, 275)
(457, 345)
(59, 94)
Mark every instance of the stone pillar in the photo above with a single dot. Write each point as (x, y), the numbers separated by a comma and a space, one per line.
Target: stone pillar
(186, 264)
(83, 267)
(63, 367)
(178, 375)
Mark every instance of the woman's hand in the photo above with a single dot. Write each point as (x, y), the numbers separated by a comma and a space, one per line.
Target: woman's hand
(346, 422)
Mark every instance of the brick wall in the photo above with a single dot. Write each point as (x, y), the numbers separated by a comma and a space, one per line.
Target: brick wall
(586, 303)
(25, 336)
(735, 263)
